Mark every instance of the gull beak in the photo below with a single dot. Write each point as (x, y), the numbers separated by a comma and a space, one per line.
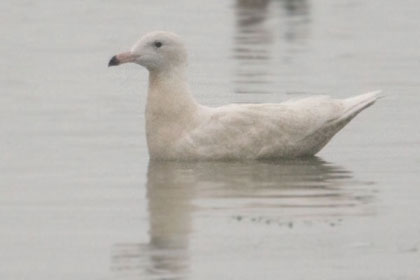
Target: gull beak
(121, 58)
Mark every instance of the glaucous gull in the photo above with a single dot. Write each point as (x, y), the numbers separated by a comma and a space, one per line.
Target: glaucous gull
(178, 128)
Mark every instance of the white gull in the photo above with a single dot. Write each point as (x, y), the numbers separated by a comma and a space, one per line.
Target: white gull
(178, 128)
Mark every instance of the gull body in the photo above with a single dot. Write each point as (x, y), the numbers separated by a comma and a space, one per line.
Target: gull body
(178, 128)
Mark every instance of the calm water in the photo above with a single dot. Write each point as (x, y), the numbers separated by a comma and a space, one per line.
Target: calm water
(79, 198)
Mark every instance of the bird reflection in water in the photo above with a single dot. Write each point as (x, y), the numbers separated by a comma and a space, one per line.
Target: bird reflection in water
(178, 191)
(264, 30)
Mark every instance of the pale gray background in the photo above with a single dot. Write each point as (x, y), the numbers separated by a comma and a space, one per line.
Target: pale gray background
(79, 199)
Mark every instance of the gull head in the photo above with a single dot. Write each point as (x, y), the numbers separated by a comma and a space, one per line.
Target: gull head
(157, 51)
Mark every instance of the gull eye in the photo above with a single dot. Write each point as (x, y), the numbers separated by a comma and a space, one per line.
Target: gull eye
(158, 44)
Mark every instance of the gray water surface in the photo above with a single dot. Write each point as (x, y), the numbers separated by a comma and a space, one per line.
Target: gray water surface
(79, 198)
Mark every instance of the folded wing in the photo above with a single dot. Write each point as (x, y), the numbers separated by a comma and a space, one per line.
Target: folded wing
(289, 129)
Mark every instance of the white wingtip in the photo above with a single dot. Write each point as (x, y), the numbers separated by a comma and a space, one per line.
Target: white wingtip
(376, 93)
(358, 103)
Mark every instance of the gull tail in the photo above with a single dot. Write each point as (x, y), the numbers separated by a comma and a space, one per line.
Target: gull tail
(354, 105)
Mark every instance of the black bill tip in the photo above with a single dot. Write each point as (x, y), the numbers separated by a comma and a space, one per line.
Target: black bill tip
(114, 61)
